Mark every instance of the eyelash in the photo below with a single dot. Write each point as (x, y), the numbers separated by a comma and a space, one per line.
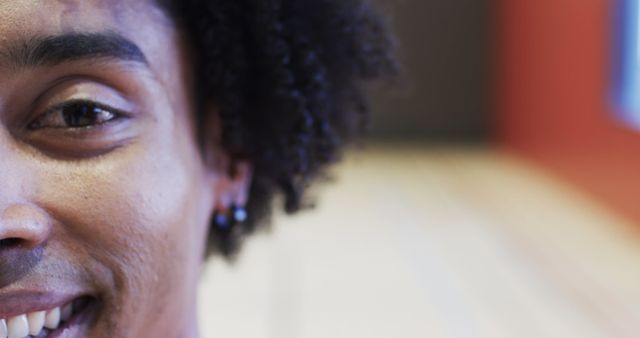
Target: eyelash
(84, 107)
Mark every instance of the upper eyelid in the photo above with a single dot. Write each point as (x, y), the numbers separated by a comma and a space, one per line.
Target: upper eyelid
(53, 89)
(24, 105)
(73, 80)
(69, 103)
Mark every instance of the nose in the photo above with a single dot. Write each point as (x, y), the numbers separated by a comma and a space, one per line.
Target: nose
(23, 225)
(23, 230)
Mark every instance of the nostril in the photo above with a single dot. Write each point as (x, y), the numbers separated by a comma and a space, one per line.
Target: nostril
(23, 226)
(9, 243)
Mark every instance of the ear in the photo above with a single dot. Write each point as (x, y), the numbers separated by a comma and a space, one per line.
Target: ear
(232, 188)
(229, 174)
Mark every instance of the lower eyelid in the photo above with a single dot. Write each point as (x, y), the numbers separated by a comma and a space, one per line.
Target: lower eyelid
(79, 143)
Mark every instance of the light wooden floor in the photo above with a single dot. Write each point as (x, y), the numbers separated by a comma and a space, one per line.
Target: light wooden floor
(434, 242)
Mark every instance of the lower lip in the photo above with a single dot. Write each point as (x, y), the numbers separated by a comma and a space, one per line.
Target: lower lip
(75, 323)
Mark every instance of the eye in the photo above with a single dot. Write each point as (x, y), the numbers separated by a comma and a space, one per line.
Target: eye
(76, 114)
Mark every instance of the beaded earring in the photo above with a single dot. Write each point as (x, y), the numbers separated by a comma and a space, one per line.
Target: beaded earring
(226, 222)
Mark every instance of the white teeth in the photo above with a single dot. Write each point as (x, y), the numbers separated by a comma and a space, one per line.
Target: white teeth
(52, 319)
(3, 329)
(66, 311)
(36, 322)
(32, 324)
(18, 326)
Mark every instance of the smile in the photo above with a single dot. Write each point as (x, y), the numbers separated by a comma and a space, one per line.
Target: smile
(50, 323)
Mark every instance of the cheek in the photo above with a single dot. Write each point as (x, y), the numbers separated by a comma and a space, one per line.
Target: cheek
(142, 213)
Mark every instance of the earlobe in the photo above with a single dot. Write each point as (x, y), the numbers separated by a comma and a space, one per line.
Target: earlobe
(230, 213)
(240, 174)
(233, 184)
(231, 175)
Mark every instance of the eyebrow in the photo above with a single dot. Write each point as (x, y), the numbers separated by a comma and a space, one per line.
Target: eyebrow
(58, 49)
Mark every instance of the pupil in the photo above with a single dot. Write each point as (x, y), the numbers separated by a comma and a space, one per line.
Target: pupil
(80, 115)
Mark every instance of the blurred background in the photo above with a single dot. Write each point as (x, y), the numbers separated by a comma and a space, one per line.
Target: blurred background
(498, 195)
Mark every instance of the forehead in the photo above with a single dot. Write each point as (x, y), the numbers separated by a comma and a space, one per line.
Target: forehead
(142, 22)
(20, 19)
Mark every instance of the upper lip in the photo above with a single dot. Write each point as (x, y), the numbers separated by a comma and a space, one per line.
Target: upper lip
(41, 286)
(15, 303)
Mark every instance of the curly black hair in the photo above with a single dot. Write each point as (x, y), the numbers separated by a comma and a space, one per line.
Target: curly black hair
(289, 77)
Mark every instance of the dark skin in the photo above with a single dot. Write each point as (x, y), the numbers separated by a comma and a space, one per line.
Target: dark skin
(125, 125)
(115, 205)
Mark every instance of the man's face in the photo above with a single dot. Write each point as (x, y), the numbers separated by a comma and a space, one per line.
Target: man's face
(104, 198)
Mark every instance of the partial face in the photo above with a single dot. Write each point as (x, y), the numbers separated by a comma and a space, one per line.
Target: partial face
(104, 197)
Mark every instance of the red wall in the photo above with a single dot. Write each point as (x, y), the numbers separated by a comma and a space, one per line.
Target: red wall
(553, 76)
